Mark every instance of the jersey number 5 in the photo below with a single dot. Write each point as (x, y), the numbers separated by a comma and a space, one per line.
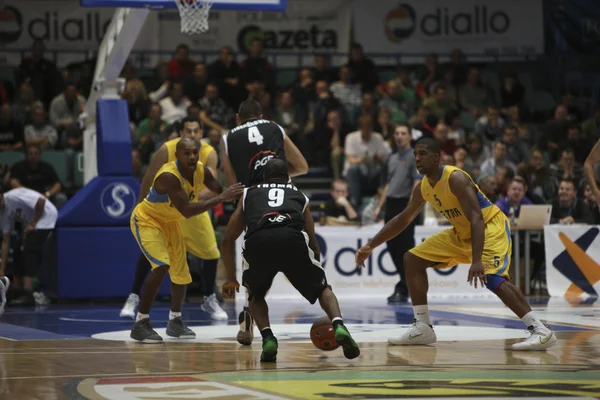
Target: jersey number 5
(276, 197)
(254, 136)
(437, 200)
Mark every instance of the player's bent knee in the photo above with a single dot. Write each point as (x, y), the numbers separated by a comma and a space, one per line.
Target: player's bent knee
(412, 261)
(162, 270)
(494, 282)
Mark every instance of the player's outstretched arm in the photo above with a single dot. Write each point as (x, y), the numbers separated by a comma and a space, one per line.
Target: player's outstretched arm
(297, 164)
(234, 229)
(394, 226)
(227, 167)
(159, 159)
(169, 184)
(464, 190)
(309, 226)
(590, 162)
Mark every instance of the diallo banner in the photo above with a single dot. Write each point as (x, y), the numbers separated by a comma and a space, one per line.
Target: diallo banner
(572, 260)
(377, 280)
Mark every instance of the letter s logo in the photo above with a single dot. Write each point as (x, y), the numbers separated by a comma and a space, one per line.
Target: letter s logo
(117, 200)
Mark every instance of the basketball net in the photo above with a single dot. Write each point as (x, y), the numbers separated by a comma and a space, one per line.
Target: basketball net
(194, 15)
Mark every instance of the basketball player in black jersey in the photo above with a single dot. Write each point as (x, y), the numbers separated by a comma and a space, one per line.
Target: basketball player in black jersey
(245, 151)
(280, 237)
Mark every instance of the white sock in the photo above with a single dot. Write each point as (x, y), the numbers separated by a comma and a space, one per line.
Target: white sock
(422, 314)
(530, 319)
(173, 315)
(141, 316)
(336, 319)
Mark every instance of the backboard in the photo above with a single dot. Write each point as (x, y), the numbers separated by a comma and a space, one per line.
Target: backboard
(237, 5)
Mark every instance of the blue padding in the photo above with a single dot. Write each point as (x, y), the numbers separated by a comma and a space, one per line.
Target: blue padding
(97, 263)
(113, 137)
(105, 201)
(493, 282)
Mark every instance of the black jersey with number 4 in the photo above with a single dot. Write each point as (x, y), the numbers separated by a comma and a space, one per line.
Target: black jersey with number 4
(270, 205)
(249, 147)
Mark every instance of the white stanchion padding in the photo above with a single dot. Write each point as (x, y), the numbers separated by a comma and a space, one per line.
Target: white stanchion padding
(572, 260)
(378, 278)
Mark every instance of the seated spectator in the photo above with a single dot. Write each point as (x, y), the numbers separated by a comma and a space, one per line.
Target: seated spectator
(515, 198)
(320, 107)
(575, 141)
(214, 112)
(22, 109)
(11, 132)
(516, 150)
(328, 143)
(439, 104)
(151, 133)
(322, 72)
(567, 208)
(174, 107)
(256, 68)
(385, 126)
(40, 132)
(394, 102)
(338, 209)
(429, 74)
(542, 185)
(160, 83)
(460, 156)
(362, 69)
(498, 160)
(35, 174)
(40, 73)
(138, 103)
(477, 153)
(182, 65)
(214, 139)
(195, 85)
(291, 116)
(348, 93)
(490, 127)
(489, 186)
(473, 96)
(590, 129)
(553, 132)
(423, 122)
(366, 152)
(590, 200)
(504, 177)
(304, 89)
(567, 167)
(226, 73)
(367, 107)
(512, 92)
(74, 138)
(66, 107)
(447, 146)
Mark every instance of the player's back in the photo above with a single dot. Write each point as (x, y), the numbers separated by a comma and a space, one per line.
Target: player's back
(251, 145)
(270, 205)
(444, 201)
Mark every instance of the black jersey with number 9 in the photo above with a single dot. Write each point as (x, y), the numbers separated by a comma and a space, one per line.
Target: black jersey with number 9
(251, 145)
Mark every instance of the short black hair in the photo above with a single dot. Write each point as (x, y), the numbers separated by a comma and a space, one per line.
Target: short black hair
(190, 118)
(249, 109)
(569, 180)
(431, 144)
(275, 169)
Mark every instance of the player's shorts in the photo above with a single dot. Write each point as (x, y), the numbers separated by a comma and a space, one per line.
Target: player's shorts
(199, 237)
(162, 244)
(446, 249)
(286, 250)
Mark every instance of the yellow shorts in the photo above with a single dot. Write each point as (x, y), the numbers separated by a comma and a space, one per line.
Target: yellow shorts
(162, 244)
(446, 249)
(199, 237)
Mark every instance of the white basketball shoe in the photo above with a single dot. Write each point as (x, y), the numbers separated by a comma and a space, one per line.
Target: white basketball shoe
(211, 306)
(130, 306)
(418, 333)
(4, 285)
(539, 339)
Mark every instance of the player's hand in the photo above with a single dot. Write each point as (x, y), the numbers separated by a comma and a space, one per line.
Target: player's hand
(362, 254)
(477, 273)
(229, 288)
(232, 192)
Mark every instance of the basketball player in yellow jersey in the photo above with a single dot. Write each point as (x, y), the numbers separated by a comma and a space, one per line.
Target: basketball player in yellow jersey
(480, 236)
(155, 225)
(198, 232)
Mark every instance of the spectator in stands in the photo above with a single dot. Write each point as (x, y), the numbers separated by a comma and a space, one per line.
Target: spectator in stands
(226, 73)
(40, 132)
(338, 209)
(512, 92)
(568, 100)
(304, 88)
(367, 107)
(497, 160)
(490, 127)
(516, 150)
(489, 186)
(590, 128)
(458, 65)
(182, 65)
(174, 107)
(38, 175)
(567, 167)
(473, 96)
(256, 67)
(366, 152)
(321, 71)
(291, 116)
(575, 141)
(266, 105)
(384, 125)
(590, 200)
(137, 100)
(151, 133)
(195, 85)
(553, 132)
(423, 121)
(22, 108)
(429, 74)
(504, 177)
(477, 153)
(320, 107)
(40, 73)
(567, 208)
(439, 104)
(515, 198)
(394, 101)
(74, 138)
(460, 156)
(214, 139)
(348, 93)
(66, 107)
(160, 83)
(11, 131)
(214, 112)
(542, 185)
(362, 69)
(448, 146)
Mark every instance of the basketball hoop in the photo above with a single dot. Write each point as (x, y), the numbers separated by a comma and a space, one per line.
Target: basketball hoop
(194, 15)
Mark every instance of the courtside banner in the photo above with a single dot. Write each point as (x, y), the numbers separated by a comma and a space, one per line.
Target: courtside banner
(503, 27)
(378, 278)
(572, 260)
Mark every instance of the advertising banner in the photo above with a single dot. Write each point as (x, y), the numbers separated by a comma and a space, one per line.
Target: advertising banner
(378, 278)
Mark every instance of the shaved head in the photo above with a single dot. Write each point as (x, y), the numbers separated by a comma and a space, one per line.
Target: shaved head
(276, 170)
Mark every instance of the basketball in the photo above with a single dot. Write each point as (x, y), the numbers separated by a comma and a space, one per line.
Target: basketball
(322, 334)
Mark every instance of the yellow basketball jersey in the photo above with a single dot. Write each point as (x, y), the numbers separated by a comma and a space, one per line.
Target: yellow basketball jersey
(205, 150)
(158, 206)
(444, 201)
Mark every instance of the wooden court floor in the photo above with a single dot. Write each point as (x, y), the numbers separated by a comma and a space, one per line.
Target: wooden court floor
(82, 352)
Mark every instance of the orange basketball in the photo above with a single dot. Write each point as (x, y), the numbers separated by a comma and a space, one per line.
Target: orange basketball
(323, 335)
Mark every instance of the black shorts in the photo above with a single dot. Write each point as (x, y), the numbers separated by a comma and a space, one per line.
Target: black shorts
(286, 250)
